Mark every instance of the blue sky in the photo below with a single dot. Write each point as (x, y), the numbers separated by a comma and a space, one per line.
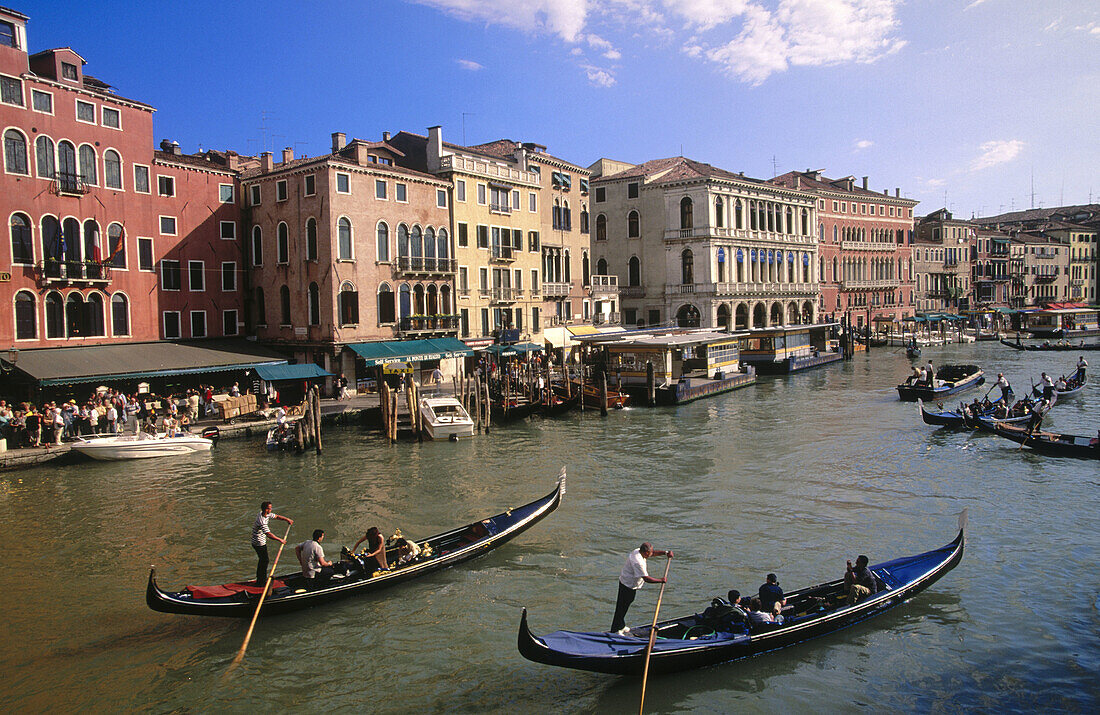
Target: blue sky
(963, 99)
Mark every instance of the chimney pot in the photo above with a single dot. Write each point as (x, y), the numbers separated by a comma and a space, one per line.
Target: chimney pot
(267, 163)
(339, 140)
(897, 191)
(865, 183)
(288, 155)
(385, 136)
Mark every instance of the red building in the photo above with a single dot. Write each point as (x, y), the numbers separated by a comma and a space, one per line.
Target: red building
(108, 240)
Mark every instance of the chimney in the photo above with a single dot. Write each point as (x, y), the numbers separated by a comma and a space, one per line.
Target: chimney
(865, 183)
(266, 162)
(166, 145)
(288, 155)
(339, 140)
(897, 192)
(886, 192)
(385, 136)
(797, 181)
(434, 149)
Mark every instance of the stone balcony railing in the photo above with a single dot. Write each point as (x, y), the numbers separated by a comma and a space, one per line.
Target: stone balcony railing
(870, 284)
(603, 285)
(555, 290)
(708, 232)
(417, 265)
(51, 272)
(743, 289)
(869, 246)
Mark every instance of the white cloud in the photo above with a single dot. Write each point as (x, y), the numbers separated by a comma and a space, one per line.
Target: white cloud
(997, 152)
(757, 52)
(706, 14)
(862, 144)
(599, 77)
(565, 18)
(469, 65)
(1092, 28)
(974, 4)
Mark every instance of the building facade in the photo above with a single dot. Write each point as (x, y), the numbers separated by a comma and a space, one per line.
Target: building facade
(694, 245)
(941, 263)
(864, 247)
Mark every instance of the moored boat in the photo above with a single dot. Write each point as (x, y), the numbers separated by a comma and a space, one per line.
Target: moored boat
(144, 446)
(445, 418)
(1049, 443)
(556, 404)
(616, 399)
(961, 417)
(696, 641)
(949, 380)
(289, 592)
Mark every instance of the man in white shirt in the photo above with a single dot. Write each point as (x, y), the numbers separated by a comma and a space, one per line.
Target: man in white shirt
(260, 535)
(633, 575)
(315, 567)
(1081, 366)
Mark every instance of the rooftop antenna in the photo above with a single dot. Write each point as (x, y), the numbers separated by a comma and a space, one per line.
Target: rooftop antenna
(775, 167)
(681, 150)
(265, 114)
(1033, 187)
(464, 115)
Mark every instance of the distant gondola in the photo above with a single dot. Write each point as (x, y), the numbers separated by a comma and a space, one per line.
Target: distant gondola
(289, 592)
(949, 378)
(695, 641)
(1049, 443)
(1050, 346)
(616, 399)
(957, 419)
(512, 409)
(1073, 388)
(560, 404)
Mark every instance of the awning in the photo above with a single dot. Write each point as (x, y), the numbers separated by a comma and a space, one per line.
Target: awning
(410, 350)
(304, 371)
(508, 350)
(557, 337)
(131, 361)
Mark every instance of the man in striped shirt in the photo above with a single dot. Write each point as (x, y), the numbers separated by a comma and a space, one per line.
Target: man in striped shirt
(260, 535)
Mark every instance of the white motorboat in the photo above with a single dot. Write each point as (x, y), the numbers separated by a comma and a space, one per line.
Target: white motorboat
(141, 446)
(445, 418)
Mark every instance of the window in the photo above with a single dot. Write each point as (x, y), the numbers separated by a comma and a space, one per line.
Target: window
(87, 157)
(463, 235)
(7, 35)
(460, 190)
(112, 169)
(687, 219)
(284, 305)
(169, 274)
(255, 197)
(343, 184)
(22, 248)
(55, 316)
(280, 190)
(42, 101)
(116, 245)
(196, 276)
(166, 186)
(282, 243)
(145, 254)
(601, 194)
(632, 190)
(141, 178)
(401, 192)
(383, 242)
(379, 189)
(311, 239)
(171, 324)
(11, 90)
(228, 230)
(601, 227)
(533, 241)
(112, 118)
(44, 151)
(535, 320)
(482, 236)
(441, 198)
(309, 185)
(387, 309)
(68, 71)
(463, 280)
(633, 222)
(344, 240)
(257, 246)
(198, 323)
(225, 193)
(229, 276)
(515, 199)
(348, 307)
(229, 322)
(15, 153)
(167, 226)
(481, 194)
(313, 297)
(85, 112)
(120, 315)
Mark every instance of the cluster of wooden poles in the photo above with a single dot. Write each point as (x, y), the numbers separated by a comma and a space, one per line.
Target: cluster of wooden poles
(308, 429)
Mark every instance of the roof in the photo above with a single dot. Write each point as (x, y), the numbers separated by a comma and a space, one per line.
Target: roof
(1041, 214)
(200, 161)
(506, 149)
(677, 168)
(13, 13)
(303, 371)
(124, 361)
(814, 181)
(391, 351)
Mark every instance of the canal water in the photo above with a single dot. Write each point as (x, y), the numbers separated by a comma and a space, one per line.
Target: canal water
(793, 475)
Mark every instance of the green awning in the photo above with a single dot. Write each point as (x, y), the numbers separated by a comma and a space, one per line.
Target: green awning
(410, 350)
(304, 371)
(509, 350)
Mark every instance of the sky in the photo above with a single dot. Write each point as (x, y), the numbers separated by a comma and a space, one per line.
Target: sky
(982, 106)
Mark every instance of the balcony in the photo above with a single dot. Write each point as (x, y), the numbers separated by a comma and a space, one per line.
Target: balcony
(632, 292)
(55, 273)
(869, 246)
(66, 184)
(1046, 278)
(416, 265)
(708, 232)
(603, 285)
(502, 295)
(500, 207)
(555, 290)
(870, 285)
(413, 325)
(502, 254)
(605, 318)
(799, 290)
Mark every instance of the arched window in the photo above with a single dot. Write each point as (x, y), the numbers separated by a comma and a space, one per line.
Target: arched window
(719, 212)
(738, 216)
(687, 267)
(343, 240)
(22, 246)
(416, 243)
(311, 239)
(44, 153)
(633, 228)
(386, 309)
(15, 152)
(429, 245)
(687, 218)
(601, 227)
(66, 165)
(752, 215)
(433, 300)
(112, 169)
(284, 305)
(314, 299)
(834, 234)
(26, 321)
(789, 224)
(120, 315)
(805, 222)
(348, 307)
(75, 316)
(88, 164)
(586, 279)
(601, 267)
(402, 241)
(55, 315)
(443, 246)
(71, 239)
(116, 245)
(95, 311)
(405, 299)
(282, 243)
(261, 307)
(445, 304)
(584, 219)
(419, 308)
(634, 272)
(91, 242)
(257, 246)
(566, 266)
(383, 242)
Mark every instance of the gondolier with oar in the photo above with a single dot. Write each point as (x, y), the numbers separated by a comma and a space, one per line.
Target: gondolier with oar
(633, 575)
(1007, 396)
(260, 534)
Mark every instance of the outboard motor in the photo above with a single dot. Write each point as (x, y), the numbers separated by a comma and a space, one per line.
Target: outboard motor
(212, 434)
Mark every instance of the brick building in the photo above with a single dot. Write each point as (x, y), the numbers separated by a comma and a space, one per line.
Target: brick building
(941, 262)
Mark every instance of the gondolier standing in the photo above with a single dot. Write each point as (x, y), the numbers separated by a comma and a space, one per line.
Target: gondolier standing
(633, 575)
(1006, 390)
(260, 534)
(1081, 366)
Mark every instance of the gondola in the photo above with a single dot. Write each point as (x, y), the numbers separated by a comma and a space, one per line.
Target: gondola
(559, 404)
(912, 352)
(1065, 347)
(289, 592)
(1072, 390)
(1049, 443)
(957, 419)
(616, 399)
(696, 641)
(949, 378)
(512, 409)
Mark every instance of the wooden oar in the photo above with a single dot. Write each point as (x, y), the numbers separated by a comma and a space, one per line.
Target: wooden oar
(260, 603)
(652, 637)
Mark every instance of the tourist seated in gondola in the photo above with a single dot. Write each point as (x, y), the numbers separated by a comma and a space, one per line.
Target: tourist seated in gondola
(916, 378)
(407, 550)
(316, 569)
(759, 617)
(859, 581)
(735, 598)
(770, 593)
(374, 555)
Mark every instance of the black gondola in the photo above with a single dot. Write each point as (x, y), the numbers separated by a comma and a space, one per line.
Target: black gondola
(560, 404)
(1073, 388)
(949, 378)
(958, 418)
(512, 409)
(1066, 347)
(1049, 443)
(289, 593)
(695, 642)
